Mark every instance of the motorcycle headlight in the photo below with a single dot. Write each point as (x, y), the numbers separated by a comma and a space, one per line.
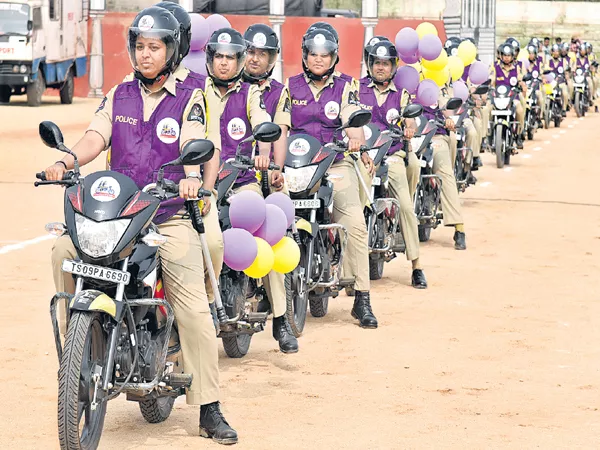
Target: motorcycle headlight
(502, 90)
(579, 79)
(501, 102)
(98, 239)
(579, 72)
(297, 180)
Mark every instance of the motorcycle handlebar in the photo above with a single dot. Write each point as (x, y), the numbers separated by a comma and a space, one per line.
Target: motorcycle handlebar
(67, 179)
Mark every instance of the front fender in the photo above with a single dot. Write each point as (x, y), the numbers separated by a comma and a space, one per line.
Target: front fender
(309, 227)
(93, 300)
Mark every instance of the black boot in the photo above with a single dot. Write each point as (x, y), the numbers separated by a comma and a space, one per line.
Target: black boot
(362, 310)
(283, 333)
(519, 142)
(418, 280)
(476, 164)
(460, 241)
(213, 425)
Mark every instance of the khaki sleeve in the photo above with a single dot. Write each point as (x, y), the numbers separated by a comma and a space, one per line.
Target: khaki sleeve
(283, 112)
(102, 121)
(255, 108)
(493, 74)
(193, 124)
(520, 73)
(128, 78)
(404, 99)
(350, 100)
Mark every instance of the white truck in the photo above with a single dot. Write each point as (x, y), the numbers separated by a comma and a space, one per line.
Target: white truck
(43, 43)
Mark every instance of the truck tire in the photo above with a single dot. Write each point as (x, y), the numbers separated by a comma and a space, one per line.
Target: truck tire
(67, 89)
(5, 92)
(36, 89)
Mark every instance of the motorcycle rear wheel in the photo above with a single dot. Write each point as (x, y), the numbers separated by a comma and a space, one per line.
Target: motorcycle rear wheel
(500, 147)
(297, 305)
(85, 346)
(578, 105)
(157, 410)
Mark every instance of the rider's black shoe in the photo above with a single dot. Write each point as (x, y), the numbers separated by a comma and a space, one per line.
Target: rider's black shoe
(213, 425)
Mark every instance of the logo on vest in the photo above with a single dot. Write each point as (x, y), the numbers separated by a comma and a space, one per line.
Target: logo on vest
(299, 147)
(513, 81)
(125, 119)
(332, 110)
(236, 128)
(299, 102)
(105, 189)
(561, 70)
(167, 130)
(146, 23)
(392, 115)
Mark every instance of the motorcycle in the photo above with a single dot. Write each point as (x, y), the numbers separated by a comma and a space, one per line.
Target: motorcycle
(241, 295)
(533, 118)
(464, 154)
(322, 242)
(554, 100)
(504, 122)
(382, 216)
(119, 324)
(428, 194)
(581, 101)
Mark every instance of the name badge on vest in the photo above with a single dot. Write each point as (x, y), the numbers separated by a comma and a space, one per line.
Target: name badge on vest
(236, 128)
(332, 110)
(392, 115)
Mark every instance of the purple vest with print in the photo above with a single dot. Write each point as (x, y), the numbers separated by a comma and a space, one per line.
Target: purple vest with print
(535, 66)
(555, 64)
(139, 148)
(502, 79)
(195, 80)
(430, 113)
(235, 127)
(368, 101)
(346, 78)
(585, 63)
(465, 75)
(309, 116)
(271, 96)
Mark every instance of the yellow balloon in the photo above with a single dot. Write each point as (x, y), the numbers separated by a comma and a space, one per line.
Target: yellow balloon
(426, 28)
(287, 255)
(440, 77)
(456, 66)
(263, 263)
(438, 63)
(467, 52)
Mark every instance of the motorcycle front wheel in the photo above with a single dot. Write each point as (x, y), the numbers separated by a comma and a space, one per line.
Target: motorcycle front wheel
(500, 146)
(80, 427)
(296, 303)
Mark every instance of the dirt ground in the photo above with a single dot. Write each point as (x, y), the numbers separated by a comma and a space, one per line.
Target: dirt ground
(500, 352)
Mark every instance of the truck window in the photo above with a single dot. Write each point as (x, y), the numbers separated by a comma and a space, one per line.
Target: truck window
(54, 9)
(37, 18)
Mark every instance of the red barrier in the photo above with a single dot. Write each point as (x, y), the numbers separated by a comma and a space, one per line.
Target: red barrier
(351, 32)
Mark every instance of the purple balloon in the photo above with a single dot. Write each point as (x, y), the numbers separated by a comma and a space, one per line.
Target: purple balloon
(284, 203)
(526, 64)
(410, 58)
(407, 41)
(274, 226)
(196, 61)
(200, 32)
(239, 248)
(430, 47)
(478, 73)
(461, 90)
(549, 78)
(427, 93)
(247, 210)
(407, 78)
(216, 22)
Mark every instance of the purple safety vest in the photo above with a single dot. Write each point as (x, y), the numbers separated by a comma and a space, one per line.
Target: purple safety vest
(271, 96)
(139, 148)
(368, 101)
(465, 75)
(195, 80)
(535, 66)
(509, 80)
(556, 65)
(585, 64)
(430, 113)
(235, 127)
(318, 119)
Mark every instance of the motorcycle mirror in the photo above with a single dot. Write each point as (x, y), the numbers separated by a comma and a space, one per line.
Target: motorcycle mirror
(197, 152)
(51, 134)
(358, 119)
(267, 132)
(481, 89)
(453, 103)
(546, 72)
(411, 111)
(528, 77)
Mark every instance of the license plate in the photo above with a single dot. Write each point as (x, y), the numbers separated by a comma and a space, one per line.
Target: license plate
(376, 181)
(500, 113)
(307, 204)
(423, 163)
(97, 272)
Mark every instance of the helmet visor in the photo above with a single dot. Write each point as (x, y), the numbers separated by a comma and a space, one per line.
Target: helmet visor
(225, 60)
(150, 51)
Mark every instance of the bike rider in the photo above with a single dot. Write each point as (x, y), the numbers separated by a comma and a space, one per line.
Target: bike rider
(536, 67)
(506, 73)
(564, 54)
(155, 97)
(559, 66)
(240, 108)
(582, 61)
(379, 95)
(321, 102)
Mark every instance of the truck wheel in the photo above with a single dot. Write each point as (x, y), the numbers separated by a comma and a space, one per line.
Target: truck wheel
(5, 92)
(67, 88)
(35, 90)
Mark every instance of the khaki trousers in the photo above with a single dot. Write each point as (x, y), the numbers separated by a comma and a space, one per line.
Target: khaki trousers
(442, 166)
(348, 210)
(400, 190)
(274, 282)
(214, 239)
(182, 271)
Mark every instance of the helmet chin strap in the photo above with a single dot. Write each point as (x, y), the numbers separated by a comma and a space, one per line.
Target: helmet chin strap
(150, 81)
(312, 76)
(256, 79)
